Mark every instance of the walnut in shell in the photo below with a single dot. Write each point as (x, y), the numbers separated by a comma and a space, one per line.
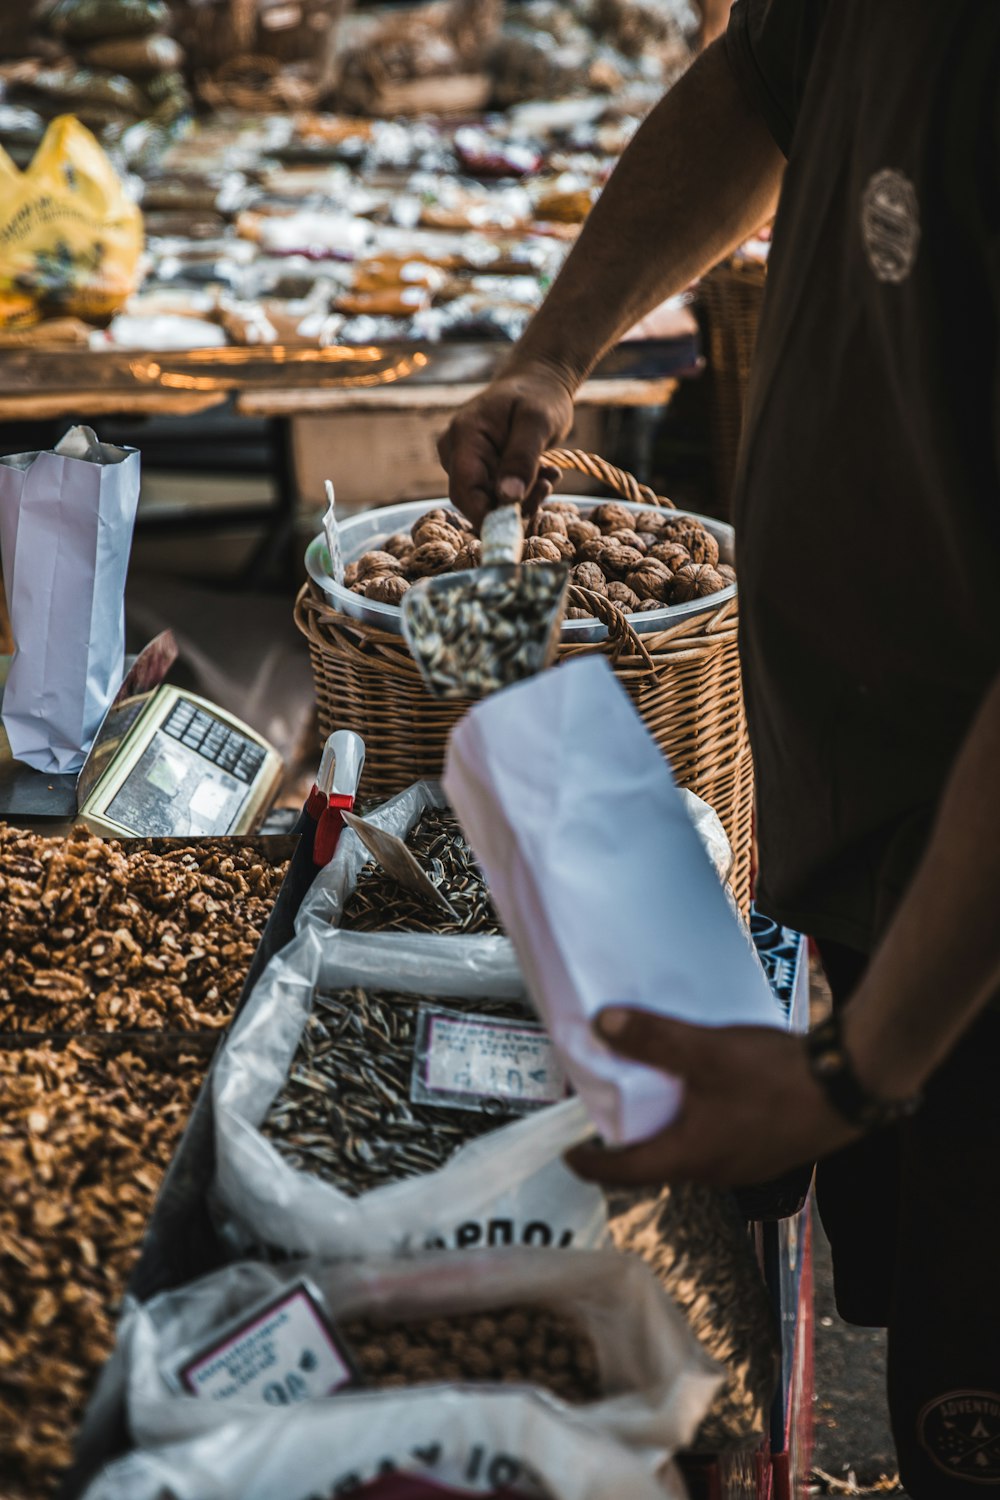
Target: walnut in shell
(652, 520)
(567, 508)
(695, 581)
(575, 613)
(437, 517)
(594, 550)
(470, 555)
(726, 572)
(540, 549)
(378, 562)
(582, 531)
(626, 537)
(651, 580)
(626, 598)
(566, 549)
(670, 553)
(400, 545)
(587, 575)
(438, 531)
(703, 547)
(548, 521)
(386, 588)
(645, 605)
(648, 538)
(618, 561)
(351, 572)
(431, 558)
(611, 515)
(691, 534)
(460, 522)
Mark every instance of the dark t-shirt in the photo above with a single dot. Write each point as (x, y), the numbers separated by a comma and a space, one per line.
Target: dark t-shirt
(868, 503)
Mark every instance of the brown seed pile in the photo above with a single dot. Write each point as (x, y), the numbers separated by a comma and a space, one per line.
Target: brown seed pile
(693, 1240)
(95, 936)
(345, 1112)
(512, 1346)
(84, 1137)
(641, 560)
(380, 904)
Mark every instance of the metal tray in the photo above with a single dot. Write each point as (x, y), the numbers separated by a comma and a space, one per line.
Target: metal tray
(362, 532)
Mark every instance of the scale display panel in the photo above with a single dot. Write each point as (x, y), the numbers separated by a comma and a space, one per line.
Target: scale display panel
(185, 769)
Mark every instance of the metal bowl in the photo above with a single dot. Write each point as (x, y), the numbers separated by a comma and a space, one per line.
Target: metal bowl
(363, 532)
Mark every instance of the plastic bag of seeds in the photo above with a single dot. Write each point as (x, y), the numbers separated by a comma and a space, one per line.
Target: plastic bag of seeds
(478, 1442)
(590, 1332)
(354, 892)
(324, 1144)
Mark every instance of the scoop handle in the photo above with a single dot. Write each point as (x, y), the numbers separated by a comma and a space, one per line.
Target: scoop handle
(502, 536)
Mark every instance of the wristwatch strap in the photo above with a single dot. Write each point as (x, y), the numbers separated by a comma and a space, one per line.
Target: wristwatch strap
(831, 1067)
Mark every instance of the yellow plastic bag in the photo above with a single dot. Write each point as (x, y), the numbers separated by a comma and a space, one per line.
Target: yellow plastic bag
(70, 239)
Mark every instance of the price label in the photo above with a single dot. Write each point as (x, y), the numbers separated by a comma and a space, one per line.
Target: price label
(279, 1353)
(469, 1062)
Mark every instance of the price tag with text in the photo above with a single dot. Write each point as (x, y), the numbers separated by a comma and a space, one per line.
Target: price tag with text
(278, 1352)
(471, 1062)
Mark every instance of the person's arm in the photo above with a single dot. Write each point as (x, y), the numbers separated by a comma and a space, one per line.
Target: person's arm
(700, 174)
(751, 1107)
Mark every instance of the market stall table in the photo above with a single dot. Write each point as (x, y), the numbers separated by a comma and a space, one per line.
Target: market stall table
(279, 385)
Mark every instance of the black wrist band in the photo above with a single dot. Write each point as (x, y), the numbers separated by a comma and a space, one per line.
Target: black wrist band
(832, 1070)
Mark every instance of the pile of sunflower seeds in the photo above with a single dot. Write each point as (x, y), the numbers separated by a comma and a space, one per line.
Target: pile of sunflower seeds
(510, 1346)
(345, 1113)
(379, 903)
(477, 636)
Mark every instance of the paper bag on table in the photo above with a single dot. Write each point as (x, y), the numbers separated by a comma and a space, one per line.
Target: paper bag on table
(600, 880)
(66, 521)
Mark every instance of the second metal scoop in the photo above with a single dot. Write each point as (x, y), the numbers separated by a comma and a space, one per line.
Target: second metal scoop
(474, 632)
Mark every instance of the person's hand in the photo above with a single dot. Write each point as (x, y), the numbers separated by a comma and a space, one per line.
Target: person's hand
(493, 446)
(751, 1108)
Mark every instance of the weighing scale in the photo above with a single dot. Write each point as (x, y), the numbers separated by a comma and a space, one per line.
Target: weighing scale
(166, 763)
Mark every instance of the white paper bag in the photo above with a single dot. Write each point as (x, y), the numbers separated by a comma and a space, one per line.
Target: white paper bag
(66, 521)
(600, 879)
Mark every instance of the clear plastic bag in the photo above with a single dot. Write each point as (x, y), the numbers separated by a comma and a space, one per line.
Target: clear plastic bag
(656, 1381)
(508, 1187)
(476, 1441)
(334, 885)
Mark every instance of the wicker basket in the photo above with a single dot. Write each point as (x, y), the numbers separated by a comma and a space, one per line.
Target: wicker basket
(685, 682)
(731, 295)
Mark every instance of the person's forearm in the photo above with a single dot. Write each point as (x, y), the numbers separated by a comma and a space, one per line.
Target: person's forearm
(940, 960)
(701, 173)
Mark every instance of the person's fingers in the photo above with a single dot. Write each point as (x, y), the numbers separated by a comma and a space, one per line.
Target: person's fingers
(517, 470)
(663, 1158)
(469, 455)
(659, 1041)
(538, 496)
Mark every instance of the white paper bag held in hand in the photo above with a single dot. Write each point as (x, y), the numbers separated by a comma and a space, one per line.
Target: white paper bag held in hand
(66, 522)
(600, 880)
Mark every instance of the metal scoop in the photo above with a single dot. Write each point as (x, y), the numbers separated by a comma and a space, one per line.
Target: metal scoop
(474, 632)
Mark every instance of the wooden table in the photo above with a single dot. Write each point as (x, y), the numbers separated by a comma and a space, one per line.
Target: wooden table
(278, 383)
